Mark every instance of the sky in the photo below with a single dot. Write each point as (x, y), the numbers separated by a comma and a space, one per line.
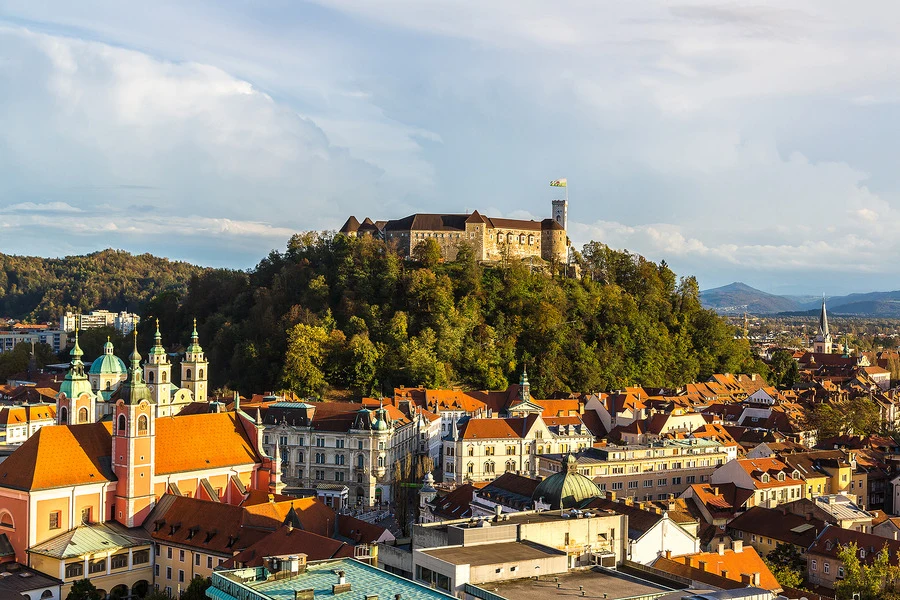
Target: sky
(753, 142)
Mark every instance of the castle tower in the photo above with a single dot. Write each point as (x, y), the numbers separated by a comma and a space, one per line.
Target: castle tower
(194, 368)
(561, 213)
(158, 374)
(822, 343)
(133, 446)
(76, 402)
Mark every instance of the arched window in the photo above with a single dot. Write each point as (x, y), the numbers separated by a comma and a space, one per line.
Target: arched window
(510, 466)
(63, 415)
(82, 415)
(121, 424)
(200, 374)
(108, 385)
(47, 595)
(488, 467)
(360, 461)
(150, 377)
(142, 425)
(163, 377)
(188, 374)
(6, 520)
(470, 468)
(471, 451)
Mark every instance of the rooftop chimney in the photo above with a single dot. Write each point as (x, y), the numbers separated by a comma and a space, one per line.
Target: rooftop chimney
(701, 564)
(721, 549)
(737, 546)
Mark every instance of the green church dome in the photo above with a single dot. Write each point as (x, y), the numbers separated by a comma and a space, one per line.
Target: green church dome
(108, 364)
(566, 488)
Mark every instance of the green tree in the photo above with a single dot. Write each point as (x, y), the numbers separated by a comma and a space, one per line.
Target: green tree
(787, 565)
(428, 253)
(84, 590)
(303, 372)
(874, 581)
(196, 589)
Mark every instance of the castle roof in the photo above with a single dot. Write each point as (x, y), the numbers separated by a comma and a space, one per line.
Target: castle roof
(351, 226)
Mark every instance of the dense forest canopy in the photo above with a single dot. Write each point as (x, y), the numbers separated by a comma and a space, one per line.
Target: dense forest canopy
(339, 312)
(41, 289)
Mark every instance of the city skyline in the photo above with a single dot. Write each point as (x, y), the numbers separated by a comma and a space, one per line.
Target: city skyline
(738, 143)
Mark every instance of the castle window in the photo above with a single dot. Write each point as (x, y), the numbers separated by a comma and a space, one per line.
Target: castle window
(82, 415)
(522, 238)
(150, 377)
(188, 375)
(200, 374)
(142, 425)
(121, 423)
(509, 238)
(163, 377)
(530, 240)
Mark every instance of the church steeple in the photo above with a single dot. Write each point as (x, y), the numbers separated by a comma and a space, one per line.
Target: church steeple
(822, 343)
(133, 445)
(823, 320)
(158, 375)
(194, 368)
(524, 386)
(76, 402)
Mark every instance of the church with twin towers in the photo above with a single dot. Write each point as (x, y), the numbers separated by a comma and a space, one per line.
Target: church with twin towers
(90, 395)
(492, 239)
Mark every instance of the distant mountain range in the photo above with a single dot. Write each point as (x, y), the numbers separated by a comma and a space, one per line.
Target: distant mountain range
(737, 298)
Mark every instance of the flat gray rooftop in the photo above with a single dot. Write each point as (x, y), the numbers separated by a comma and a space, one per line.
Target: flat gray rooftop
(595, 582)
(491, 554)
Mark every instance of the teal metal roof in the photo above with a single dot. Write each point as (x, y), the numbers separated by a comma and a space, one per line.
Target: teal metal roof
(566, 488)
(108, 364)
(320, 576)
(86, 539)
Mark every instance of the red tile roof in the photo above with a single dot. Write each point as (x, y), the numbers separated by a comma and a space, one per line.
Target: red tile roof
(287, 540)
(496, 428)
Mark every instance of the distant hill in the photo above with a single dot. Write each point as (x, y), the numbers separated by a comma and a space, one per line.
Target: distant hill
(737, 297)
(43, 288)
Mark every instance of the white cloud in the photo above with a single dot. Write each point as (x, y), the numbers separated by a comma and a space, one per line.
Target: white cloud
(27, 207)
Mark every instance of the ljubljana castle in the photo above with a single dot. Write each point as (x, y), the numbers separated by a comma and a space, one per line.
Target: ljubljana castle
(492, 239)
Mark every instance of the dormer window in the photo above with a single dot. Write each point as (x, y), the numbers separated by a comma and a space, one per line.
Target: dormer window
(764, 478)
(780, 476)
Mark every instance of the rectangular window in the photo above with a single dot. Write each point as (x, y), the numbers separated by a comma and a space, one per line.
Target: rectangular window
(156, 570)
(209, 562)
(676, 481)
(339, 476)
(119, 561)
(320, 442)
(75, 569)
(197, 559)
(169, 552)
(813, 565)
(180, 576)
(691, 479)
(632, 485)
(662, 482)
(169, 570)
(339, 444)
(86, 515)
(648, 483)
(617, 485)
(97, 566)
(140, 557)
(54, 520)
(181, 555)
(826, 567)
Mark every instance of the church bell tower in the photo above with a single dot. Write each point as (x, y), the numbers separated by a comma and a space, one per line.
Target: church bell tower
(194, 368)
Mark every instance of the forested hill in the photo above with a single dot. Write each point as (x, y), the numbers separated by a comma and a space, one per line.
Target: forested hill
(43, 288)
(333, 311)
